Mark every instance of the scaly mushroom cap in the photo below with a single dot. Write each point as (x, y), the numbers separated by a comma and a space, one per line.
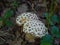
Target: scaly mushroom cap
(21, 19)
(35, 27)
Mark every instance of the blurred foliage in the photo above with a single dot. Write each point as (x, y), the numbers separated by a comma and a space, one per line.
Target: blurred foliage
(47, 40)
(5, 19)
(51, 19)
(8, 13)
(55, 31)
(55, 19)
(8, 23)
(14, 4)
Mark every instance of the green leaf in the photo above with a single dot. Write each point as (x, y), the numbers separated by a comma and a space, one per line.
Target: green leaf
(50, 22)
(44, 43)
(54, 18)
(0, 18)
(8, 23)
(8, 13)
(46, 40)
(58, 35)
(55, 31)
(46, 14)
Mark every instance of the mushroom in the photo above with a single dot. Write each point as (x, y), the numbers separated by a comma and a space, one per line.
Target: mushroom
(21, 19)
(35, 27)
(32, 26)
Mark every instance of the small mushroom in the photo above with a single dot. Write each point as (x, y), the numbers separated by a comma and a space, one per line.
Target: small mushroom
(29, 37)
(21, 19)
(35, 27)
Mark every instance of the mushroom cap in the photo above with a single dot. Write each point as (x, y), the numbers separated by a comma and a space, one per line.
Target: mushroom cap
(35, 27)
(21, 19)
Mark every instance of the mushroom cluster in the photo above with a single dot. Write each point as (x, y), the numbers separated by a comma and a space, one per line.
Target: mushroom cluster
(35, 27)
(32, 24)
(21, 19)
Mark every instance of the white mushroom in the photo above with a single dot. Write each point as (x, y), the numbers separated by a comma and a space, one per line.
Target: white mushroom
(35, 27)
(21, 19)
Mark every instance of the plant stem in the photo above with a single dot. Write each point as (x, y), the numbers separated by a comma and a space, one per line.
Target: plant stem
(52, 8)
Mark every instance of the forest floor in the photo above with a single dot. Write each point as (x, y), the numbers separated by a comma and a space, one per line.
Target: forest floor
(11, 33)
